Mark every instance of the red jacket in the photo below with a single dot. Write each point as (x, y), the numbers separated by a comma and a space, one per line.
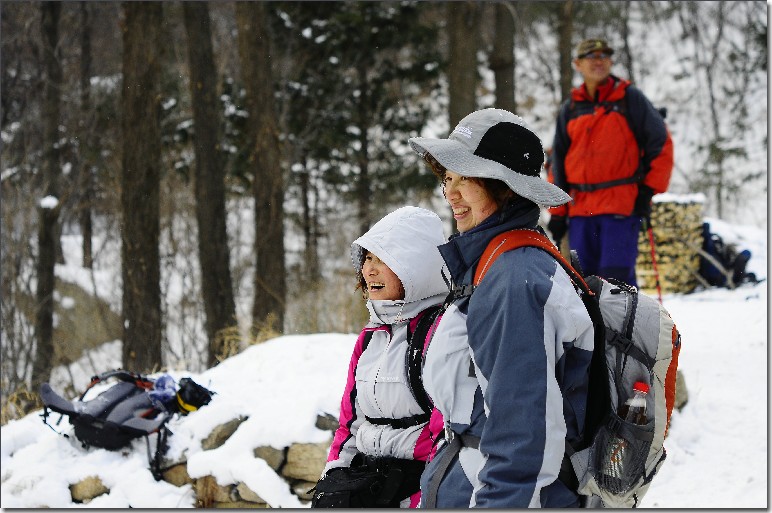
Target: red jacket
(595, 143)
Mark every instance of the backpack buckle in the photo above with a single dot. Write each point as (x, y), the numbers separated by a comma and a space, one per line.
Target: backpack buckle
(449, 434)
(620, 341)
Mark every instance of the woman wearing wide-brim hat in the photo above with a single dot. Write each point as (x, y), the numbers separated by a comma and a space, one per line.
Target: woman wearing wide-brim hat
(508, 364)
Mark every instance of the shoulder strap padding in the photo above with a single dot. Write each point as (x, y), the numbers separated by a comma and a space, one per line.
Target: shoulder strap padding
(513, 239)
(55, 402)
(417, 338)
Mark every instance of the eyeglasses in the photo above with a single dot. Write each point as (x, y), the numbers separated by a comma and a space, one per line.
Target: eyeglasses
(596, 55)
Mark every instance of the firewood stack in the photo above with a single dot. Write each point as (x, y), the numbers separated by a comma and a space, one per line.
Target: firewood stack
(676, 222)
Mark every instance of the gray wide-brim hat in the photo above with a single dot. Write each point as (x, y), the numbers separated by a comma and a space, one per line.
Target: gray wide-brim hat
(494, 143)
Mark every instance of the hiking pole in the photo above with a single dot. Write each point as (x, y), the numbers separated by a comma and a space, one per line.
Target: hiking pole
(647, 227)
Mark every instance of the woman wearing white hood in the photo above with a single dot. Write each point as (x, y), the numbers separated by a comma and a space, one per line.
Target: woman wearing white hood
(385, 434)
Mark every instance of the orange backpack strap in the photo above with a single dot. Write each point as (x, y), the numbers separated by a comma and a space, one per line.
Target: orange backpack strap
(670, 377)
(519, 238)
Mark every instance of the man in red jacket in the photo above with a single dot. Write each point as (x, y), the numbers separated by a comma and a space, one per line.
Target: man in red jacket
(612, 152)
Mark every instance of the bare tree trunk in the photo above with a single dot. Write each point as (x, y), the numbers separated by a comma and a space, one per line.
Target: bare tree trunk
(627, 55)
(265, 157)
(213, 252)
(463, 41)
(463, 20)
(565, 48)
(310, 229)
(706, 57)
(140, 185)
(48, 209)
(502, 60)
(363, 179)
(86, 163)
(719, 142)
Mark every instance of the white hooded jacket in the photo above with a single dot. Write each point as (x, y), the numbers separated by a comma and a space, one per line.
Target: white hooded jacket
(377, 387)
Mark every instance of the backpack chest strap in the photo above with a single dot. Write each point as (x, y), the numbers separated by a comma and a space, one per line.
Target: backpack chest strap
(403, 423)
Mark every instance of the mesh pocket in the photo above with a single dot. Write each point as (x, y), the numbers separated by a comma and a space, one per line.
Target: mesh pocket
(619, 452)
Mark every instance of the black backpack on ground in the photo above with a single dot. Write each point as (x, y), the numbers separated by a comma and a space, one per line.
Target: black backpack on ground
(137, 406)
(721, 264)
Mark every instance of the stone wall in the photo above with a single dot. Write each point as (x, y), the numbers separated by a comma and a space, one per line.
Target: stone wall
(300, 465)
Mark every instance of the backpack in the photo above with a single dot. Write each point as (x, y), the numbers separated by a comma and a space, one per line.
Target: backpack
(137, 406)
(720, 264)
(635, 340)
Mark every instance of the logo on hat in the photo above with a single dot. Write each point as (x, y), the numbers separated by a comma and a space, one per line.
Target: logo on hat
(464, 131)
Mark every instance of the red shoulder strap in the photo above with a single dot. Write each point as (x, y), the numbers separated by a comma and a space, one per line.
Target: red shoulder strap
(519, 238)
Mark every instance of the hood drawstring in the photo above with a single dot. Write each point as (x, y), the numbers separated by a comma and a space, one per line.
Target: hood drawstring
(399, 319)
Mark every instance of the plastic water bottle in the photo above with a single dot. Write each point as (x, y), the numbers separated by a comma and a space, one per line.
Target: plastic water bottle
(634, 412)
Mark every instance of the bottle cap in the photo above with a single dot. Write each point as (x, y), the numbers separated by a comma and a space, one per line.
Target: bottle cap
(640, 386)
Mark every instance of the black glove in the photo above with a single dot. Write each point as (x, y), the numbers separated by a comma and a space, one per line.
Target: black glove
(643, 202)
(558, 225)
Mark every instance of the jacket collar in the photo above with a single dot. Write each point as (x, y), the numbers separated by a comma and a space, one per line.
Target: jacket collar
(611, 90)
(388, 312)
(463, 250)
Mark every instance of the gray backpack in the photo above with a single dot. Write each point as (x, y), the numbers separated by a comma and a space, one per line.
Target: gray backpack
(636, 340)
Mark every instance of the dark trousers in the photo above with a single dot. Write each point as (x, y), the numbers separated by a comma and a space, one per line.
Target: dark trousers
(607, 245)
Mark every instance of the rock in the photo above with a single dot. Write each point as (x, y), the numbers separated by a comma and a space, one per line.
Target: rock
(239, 505)
(306, 461)
(177, 475)
(221, 433)
(208, 492)
(328, 422)
(246, 494)
(300, 488)
(274, 457)
(87, 489)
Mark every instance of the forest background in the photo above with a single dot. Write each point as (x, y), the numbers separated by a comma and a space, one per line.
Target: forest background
(229, 152)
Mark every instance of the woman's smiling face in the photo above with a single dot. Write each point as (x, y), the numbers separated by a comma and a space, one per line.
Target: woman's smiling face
(381, 281)
(470, 201)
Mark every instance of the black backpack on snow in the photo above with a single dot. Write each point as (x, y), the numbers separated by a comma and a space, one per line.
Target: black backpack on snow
(136, 406)
(721, 264)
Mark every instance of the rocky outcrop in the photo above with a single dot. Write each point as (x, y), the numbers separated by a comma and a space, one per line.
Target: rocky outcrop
(299, 464)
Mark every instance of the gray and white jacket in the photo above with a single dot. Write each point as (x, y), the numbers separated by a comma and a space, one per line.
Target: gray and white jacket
(508, 365)
(377, 387)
